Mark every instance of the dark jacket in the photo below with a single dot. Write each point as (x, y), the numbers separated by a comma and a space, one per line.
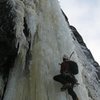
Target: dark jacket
(64, 67)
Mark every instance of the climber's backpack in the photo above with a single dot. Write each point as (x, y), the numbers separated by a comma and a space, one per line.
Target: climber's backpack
(73, 67)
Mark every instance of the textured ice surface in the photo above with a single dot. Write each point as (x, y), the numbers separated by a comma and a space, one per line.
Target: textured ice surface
(50, 38)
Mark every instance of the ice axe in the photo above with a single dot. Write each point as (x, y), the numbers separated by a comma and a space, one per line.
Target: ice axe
(71, 54)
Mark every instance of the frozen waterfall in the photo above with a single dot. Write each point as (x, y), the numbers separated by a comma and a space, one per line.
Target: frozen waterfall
(42, 37)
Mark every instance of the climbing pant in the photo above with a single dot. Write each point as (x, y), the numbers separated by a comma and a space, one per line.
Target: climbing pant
(72, 93)
(63, 79)
(60, 78)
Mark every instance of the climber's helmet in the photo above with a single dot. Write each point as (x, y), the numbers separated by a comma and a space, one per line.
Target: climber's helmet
(65, 57)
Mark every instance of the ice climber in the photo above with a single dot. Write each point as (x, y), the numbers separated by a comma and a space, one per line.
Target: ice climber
(66, 77)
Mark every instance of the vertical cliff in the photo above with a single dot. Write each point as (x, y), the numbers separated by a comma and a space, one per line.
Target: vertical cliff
(34, 35)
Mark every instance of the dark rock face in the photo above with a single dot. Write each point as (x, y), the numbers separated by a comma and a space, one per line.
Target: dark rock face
(7, 38)
(8, 50)
(65, 16)
(77, 35)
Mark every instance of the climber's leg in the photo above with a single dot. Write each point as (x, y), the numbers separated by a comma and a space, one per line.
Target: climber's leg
(72, 93)
(60, 78)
